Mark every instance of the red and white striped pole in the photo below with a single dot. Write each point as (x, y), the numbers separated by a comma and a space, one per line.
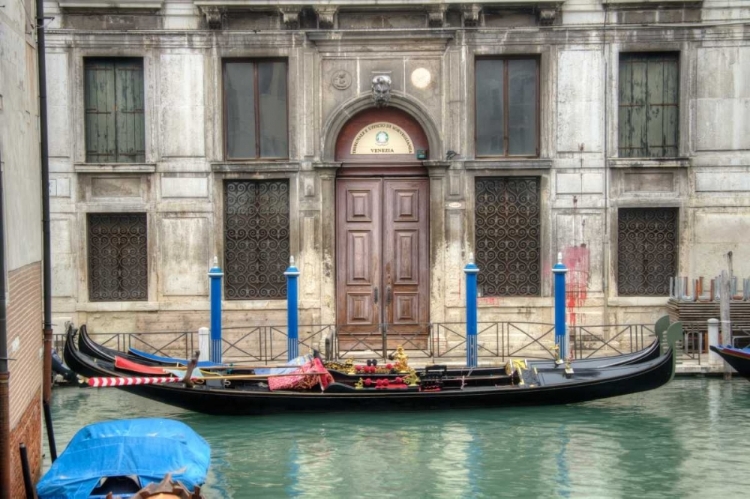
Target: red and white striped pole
(104, 382)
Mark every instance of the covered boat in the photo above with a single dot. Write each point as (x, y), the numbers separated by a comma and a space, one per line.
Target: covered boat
(522, 384)
(738, 358)
(125, 456)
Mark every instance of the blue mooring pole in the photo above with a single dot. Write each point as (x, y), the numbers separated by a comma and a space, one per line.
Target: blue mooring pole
(560, 270)
(471, 271)
(292, 307)
(215, 274)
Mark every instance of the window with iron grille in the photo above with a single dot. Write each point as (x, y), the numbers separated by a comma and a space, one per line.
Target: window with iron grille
(256, 238)
(507, 236)
(507, 107)
(114, 123)
(648, 105)
(646, 250)
(255, 109)
(118, 258)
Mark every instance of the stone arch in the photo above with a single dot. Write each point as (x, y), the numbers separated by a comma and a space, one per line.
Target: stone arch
(340, 116)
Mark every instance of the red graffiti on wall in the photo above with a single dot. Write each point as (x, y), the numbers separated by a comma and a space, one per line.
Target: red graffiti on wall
(576, 259)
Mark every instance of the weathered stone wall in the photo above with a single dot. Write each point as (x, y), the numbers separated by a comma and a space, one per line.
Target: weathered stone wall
(583, 181)
(22, 212)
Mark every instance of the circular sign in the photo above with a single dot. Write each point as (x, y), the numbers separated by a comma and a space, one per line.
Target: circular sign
(421, 78)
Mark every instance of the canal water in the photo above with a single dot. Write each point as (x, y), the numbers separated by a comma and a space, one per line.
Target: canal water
(689, 439)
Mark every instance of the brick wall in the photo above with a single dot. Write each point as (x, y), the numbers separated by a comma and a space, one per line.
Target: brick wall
(25, 331)
(24, 328)
(28, 431)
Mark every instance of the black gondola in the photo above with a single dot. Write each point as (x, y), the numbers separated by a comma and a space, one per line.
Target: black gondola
(738, 358)
(531, 387)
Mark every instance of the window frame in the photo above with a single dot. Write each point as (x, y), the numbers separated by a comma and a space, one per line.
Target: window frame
(89, 267)
(256, 103)
(223, 184)
(540, 181)
(506, 112)
(679, 104)
(619, 253)
(85, 60)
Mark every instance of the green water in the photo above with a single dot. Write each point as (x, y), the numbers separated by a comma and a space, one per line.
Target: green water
(688, 439)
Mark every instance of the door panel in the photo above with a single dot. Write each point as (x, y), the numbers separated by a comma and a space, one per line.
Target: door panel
(358, 274)
(406, 267)
(382, 256)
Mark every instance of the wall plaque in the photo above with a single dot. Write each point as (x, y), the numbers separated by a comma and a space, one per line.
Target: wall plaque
(382, 138)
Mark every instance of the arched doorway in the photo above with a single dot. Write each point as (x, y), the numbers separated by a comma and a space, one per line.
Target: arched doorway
(382, 232)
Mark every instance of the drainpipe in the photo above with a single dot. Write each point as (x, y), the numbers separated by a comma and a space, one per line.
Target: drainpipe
(4, 372)
(46, 258)
(46, 249)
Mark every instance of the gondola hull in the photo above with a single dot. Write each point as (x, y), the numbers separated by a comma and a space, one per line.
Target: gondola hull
(738, 358)
(551, 386)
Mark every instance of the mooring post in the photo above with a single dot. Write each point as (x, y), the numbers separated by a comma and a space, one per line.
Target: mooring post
(215, 274)
(560, 330)
(471, 271)
(204, 345)
(292, 307)
(714, 359)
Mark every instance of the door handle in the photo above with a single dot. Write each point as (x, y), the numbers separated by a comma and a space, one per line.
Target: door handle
(388, 295)
(375, 292)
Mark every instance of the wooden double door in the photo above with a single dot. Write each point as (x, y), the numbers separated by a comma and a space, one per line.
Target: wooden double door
(382, 262)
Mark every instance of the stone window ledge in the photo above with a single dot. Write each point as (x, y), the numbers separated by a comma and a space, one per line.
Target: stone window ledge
(508, 164)
(638, 301)
(114, 167)
(649, 2)
(118, 306)
(256, 166)
(111, 4)
(648, 162)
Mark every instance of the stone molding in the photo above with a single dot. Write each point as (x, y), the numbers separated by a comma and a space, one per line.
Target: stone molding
(326, 16)
(111, 4)
(214, 16)
(341, 115)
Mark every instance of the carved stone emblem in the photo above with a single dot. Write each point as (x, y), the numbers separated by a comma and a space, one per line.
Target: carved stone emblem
(341, 80)
(381, 90)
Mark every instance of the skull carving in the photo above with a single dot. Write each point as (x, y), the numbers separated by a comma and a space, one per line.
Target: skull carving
(381, 90)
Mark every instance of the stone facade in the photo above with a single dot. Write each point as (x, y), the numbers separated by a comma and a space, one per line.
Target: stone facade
(429, 50)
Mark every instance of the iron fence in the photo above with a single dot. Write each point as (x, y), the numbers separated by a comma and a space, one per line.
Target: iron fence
(497, 341)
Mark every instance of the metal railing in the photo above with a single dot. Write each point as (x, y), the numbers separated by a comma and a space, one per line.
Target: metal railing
(500, 341)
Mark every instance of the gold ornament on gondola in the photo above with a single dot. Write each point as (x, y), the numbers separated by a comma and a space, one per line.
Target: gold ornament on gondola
(411, 379)
(401, 360)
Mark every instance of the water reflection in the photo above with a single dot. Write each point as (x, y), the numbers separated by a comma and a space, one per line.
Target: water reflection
(683, 440)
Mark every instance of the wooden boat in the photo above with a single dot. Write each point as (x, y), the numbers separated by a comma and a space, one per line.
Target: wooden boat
(123, 457)
(250, 395)
(738, 358)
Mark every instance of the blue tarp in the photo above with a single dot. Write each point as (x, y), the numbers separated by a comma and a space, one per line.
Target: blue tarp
(148, 448)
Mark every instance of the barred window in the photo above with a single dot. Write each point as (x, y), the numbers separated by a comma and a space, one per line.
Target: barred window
(114, 119)
(648, 105)
(646, 250)
(118, 258)
(507, 236)
(256, 238)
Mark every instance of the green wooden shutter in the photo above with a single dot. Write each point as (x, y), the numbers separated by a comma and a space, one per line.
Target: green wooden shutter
(648, 105)
(114, 119)
(99, 96)
(129, 111)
